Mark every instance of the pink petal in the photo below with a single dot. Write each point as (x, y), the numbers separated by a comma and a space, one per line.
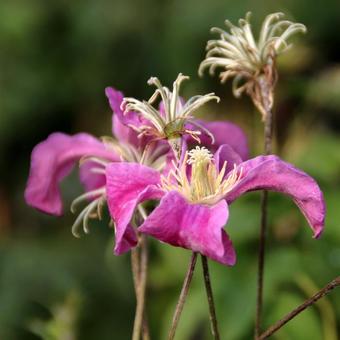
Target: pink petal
(115, 99)
(192, 226)
(51, 161)
(224, 133)
(89, 179)
(125, 133)
(271, 173)
(226, 153)
(127, 185)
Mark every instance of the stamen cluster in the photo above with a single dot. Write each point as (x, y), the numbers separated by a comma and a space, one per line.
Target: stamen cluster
(169, 124)
(206, 184)
(250, 62)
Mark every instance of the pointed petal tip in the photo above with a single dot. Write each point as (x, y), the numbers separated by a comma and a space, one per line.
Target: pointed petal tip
(272, 173)
(318, 231)
(109, 91)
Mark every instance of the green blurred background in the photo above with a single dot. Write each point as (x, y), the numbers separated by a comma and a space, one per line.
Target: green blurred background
(56, 58)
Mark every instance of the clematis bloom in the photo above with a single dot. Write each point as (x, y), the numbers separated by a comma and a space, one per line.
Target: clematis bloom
(53, 159)
(195, 196)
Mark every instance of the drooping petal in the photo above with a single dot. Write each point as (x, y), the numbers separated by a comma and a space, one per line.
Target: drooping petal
(115, 98)
(226, 153)
(224, 133)
(125, 133)
(192, 226)
(271, 173)
(127, 185)
(89, 178)
(51, 161)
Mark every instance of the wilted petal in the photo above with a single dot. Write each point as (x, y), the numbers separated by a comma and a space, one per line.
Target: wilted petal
(192, 226)
(224, 133)
(51, 161)
(127, 185)
(271, 173)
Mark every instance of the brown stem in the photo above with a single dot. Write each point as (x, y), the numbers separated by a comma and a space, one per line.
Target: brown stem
(260, 268)
(139, 316)
(145, 328)
(135, 268)
(321, 293)
(268, 127)
(212, 312)
(183, 295)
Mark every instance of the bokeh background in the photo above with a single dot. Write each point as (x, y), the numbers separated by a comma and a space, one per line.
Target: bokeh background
(56, 58)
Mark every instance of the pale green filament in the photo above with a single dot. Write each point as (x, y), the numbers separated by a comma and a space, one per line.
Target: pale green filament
(169, 125)
(241, 55)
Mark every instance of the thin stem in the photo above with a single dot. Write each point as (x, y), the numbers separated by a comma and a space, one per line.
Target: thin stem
(135, 268)
(143, 279)
(145, 328)
(268, 128)
(261, 258)
(213, 318)
(321, 293)
(139, 316)
(183, 295)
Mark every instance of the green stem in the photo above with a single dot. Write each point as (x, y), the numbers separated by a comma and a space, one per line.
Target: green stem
(268, 128)
(141, 287)
(212, 312)
(320, 294)
(183, 295)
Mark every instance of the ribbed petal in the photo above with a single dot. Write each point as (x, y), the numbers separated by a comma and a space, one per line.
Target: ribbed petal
(271, 173)
(224, 133)
(128, 184)
(192, 226)
(51, 161)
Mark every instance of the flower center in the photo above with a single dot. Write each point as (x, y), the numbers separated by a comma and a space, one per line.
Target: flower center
(206, 184)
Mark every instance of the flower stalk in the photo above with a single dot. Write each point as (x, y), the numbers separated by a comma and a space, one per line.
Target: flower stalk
(140, 287)
(320, 294)
(212, 312)
(139, 266)
(183, 295)
(268, 136)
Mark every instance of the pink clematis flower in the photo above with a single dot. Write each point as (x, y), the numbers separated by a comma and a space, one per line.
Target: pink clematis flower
(53, 159)
(194, 197)
(211, 134)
